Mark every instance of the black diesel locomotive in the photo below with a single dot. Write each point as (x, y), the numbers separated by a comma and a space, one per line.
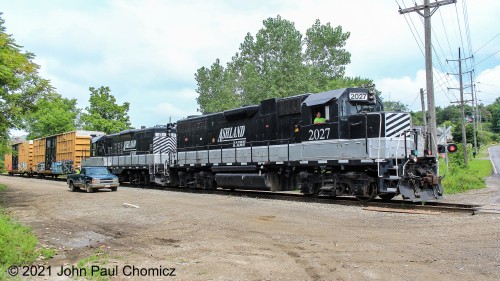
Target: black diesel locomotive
(137, 156)
(357, 149)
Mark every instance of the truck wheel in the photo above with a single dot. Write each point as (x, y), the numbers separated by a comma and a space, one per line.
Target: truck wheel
(88, 188)
(72, 187)
(114, 188)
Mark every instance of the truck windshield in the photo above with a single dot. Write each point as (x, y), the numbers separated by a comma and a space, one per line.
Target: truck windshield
(97, 171)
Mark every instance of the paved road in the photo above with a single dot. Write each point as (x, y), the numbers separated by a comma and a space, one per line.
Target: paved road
(494, 152)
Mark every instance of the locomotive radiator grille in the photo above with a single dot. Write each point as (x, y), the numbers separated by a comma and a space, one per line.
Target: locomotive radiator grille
(396, 124)
(164, 144)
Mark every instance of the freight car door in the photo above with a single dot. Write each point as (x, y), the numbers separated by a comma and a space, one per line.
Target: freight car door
(50, 152)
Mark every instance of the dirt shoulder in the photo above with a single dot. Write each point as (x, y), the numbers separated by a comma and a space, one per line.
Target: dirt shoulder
(213, 237)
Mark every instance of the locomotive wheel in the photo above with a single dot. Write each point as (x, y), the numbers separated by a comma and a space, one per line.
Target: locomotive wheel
(316, 191)
(372, 191)
(210, 184)
(387, 196)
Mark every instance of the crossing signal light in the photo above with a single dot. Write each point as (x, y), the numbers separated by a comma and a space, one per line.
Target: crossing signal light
(441, 148)
(452, 148)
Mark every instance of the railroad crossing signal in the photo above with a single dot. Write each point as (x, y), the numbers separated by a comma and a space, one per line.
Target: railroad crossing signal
(451, 148)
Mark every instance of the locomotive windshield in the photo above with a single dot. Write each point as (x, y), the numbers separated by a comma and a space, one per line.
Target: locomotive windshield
(363, 108)
(351, 108)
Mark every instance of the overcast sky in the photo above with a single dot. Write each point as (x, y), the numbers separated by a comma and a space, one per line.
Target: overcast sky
(147, 51)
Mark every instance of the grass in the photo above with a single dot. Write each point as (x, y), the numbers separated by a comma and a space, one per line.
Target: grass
(98, 258)
(18, 244)
(460, 178)
(47, 253)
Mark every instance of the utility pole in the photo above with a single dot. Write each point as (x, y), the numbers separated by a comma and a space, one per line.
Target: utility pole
(422, 101)
(464, 136)
(462, 104)
(479, 120)
(424, 118)
(428, 62)
(474, 110)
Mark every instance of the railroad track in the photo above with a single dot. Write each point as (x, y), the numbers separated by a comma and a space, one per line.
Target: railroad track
(393, 205)
(374, 205)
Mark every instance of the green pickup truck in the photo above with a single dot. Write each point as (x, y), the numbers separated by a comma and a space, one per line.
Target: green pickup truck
(92, 178)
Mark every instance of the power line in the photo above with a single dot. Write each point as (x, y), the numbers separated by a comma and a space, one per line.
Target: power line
(486, 43)
(411, 29)
(487, 58)
(488, 84)
(445, 32)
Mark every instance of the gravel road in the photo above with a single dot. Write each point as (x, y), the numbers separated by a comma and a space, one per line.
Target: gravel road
(214, 237)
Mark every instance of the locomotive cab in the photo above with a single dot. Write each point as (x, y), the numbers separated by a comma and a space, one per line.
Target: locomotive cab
(335, 107)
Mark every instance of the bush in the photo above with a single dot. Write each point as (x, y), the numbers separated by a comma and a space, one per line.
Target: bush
(461, 182)
(460, 178)
(17, 245)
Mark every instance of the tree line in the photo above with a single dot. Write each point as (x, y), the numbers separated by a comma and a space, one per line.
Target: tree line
(277, 62)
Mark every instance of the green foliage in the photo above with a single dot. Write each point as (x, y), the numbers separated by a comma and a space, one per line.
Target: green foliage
(54, 115)
(462, 182)
(47, 253)
(324, 56)
(346, 82)
(395, 106)
(17, 244)
(104, 114)
(277, 62)
(491, 114)
(98, 258)
(460, 178)
(20, 85)
(217, 86)
(270, 63)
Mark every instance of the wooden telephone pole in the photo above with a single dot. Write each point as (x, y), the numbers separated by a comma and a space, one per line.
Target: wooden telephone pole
(462, 103)
(428, 62)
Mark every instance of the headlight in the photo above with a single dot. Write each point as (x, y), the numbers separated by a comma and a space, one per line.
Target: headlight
(94, 181)
(413, 158)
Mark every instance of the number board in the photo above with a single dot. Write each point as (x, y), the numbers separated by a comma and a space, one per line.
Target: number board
(358, 96)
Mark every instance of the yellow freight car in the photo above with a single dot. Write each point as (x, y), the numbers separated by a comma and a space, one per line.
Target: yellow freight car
(60, 154)
(21, 159)
(7, 163)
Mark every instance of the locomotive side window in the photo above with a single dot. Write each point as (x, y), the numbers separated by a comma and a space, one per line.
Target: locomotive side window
(319, 114)
(323, 114)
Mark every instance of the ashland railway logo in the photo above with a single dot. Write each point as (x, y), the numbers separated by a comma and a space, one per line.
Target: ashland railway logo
(231, 133)
(129, 145)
